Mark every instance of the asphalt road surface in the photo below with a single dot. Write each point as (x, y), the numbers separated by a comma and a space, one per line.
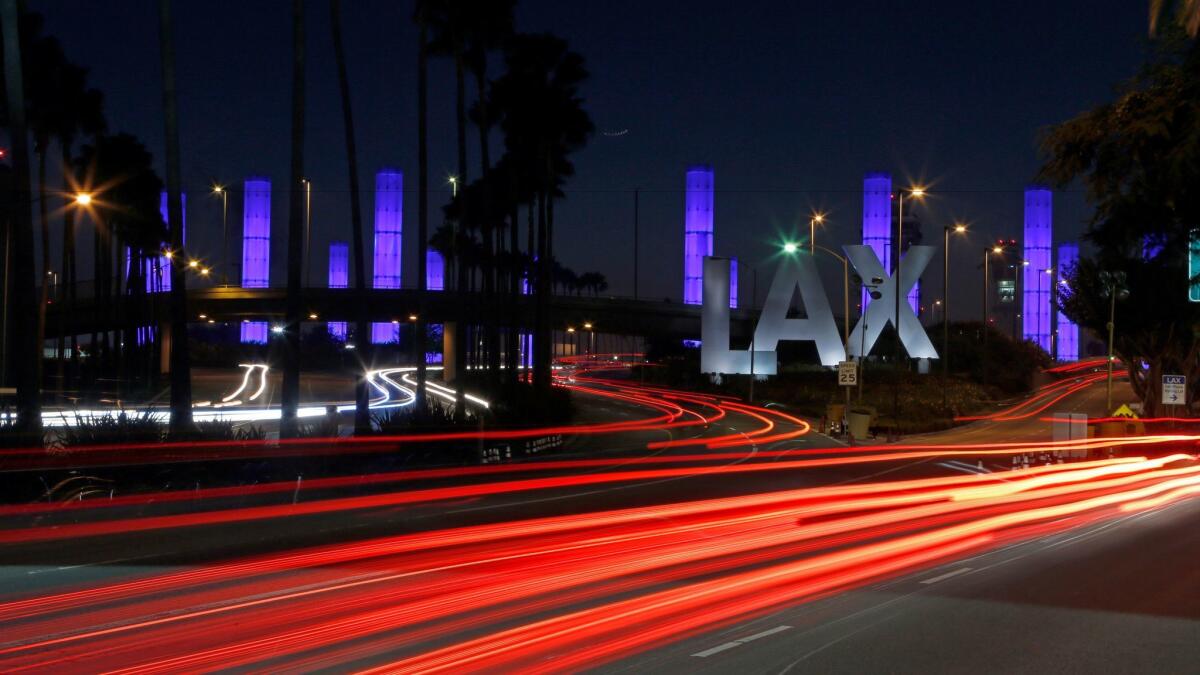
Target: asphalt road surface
(649, 548)
(1119, 597)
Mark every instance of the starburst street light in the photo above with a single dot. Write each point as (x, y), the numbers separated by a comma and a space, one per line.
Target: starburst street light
(790, 247)
(83, 199)
(816, 219)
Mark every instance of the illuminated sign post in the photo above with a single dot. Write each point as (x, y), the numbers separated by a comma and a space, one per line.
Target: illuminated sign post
(800, 273)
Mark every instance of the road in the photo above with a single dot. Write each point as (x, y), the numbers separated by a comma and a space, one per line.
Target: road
(627, 550)
(1119, 597)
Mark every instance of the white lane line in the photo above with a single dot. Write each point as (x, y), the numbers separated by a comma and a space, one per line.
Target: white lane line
(737, 643)
(716, 650)
(947, 575)
(977, 468)
(765, 633)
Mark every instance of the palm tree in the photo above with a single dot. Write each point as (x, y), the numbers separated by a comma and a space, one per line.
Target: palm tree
(60, 106)
(362, 413)
(181, 377)
(45, 70)
(447, 21)
(290, 395)
(489, 23)
(1186, 14)
(542, 116)
(421, 17)
(28, 363)
(88, 118)
(119, 170)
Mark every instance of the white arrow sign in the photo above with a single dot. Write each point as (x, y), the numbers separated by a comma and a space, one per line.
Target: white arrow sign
(1174, 389)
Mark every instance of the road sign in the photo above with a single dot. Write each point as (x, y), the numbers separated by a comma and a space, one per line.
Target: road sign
(1174, 389)
(847, 373)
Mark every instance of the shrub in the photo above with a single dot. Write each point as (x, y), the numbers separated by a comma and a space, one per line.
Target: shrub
(125, 428)
(224, 430)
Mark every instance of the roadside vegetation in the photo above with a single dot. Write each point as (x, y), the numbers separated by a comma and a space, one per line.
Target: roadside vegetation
(981, 379)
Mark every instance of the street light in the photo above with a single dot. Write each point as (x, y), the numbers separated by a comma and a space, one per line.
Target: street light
(790, 247)
(453, 180)
(83, 199)
(307, 231)
(959, 228)
(1053, 315)
(220, 191)
(1113, 287)
(916, 193)
(812, 231)
(591, 337)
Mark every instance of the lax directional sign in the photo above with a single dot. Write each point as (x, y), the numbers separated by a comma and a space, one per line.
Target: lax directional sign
(1174, 389)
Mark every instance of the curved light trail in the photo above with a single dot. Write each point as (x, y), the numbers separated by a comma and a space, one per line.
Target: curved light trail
(567, 591)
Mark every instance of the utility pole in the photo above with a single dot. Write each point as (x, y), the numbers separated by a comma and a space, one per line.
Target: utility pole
(636, 193)
(754, 304)
(1112, 318)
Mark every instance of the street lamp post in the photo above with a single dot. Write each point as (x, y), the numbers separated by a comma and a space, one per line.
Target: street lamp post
(845, 304)
(1112, 319)
(987, 252)
(307, 231)
(916, 193)
(958, 228)
(636, 194)
(224, 194)
(591, 337)
(1053, 327)
(812, 231)
(754, 306)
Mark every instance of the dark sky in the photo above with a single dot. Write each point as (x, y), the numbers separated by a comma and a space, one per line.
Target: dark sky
(791, 102)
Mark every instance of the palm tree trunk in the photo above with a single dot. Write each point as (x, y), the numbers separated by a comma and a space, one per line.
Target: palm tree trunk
(290, 396)
(464, 312)
(69, 273)
(29, 358)
(514, 292)
(181, 379)
(362, 412)
(491, 331)
(422, 209)
(44, 213)
(94, 338)
(541, 361)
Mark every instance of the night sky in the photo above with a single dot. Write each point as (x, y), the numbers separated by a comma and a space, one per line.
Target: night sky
(790, 102)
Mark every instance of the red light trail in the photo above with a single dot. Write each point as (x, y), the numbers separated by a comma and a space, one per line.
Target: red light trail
(553, 593)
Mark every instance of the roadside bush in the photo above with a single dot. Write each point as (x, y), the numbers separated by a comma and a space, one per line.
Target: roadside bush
(434, 416)
(224, 430)
(125, 428)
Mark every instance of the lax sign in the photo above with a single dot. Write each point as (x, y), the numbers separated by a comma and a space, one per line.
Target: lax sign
(800, 272)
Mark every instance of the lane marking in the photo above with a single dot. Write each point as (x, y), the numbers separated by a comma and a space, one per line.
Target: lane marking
(765, 633)
(947, 575)
(737, 643)
(716, 650)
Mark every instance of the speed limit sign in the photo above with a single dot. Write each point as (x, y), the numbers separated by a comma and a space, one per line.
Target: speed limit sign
(847, 374)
